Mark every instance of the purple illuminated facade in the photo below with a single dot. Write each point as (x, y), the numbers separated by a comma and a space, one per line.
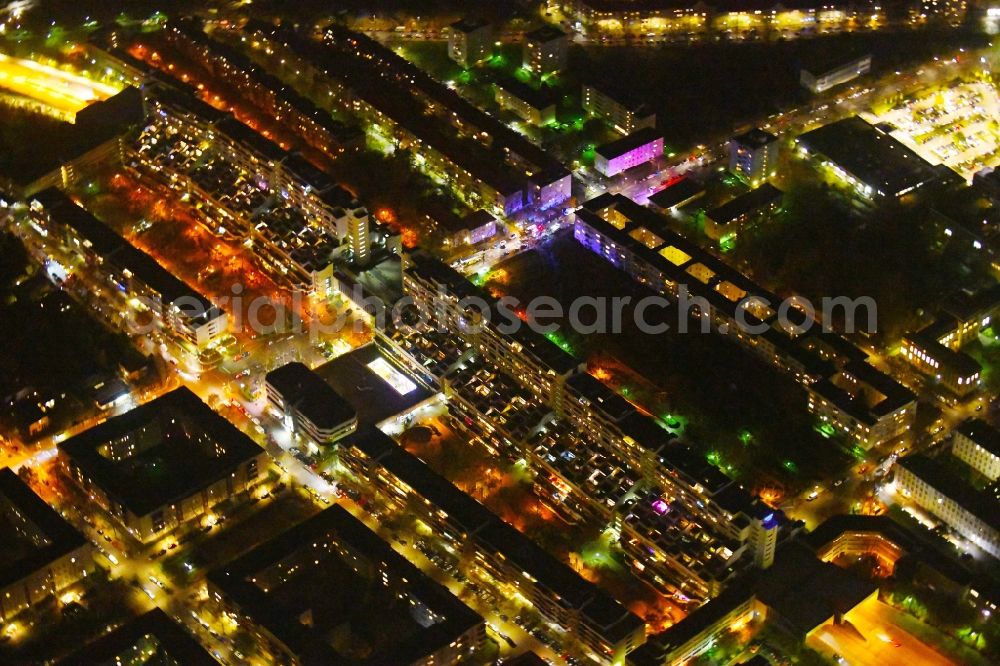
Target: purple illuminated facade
(635, 149)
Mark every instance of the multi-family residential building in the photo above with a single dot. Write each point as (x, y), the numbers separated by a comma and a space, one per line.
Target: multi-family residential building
(721, 17)
(470, 42)
(546, 50)
(289, 593)
(309, 404)
(451, 139)
(753, 156)
(797, 595)
(976, 443)
(974, 514)
(558, 593)
(534, 105)
(151, 633)
(936, 349)
(163, 464)
(97, 250)
(298, 222)
(98, 138)
(955, 370)
(621, 111)
(869, 406)
(644, 145)
(50, 555)
(856, 398)
(559, 419)
(307, 119)
(732, 218)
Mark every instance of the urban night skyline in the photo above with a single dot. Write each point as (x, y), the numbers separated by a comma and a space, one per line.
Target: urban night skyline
(568, 332)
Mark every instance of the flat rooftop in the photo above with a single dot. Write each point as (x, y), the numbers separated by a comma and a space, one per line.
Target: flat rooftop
(33, 533)
(314, 398)
(645, 234)
(160, 453)
(546, 33)
(467, 25)
(157, 636)
(874, 394)
(820, 63)
(983, 434)
(806, 592)
(374, 399)
(755, 138)
(653, 651)
(632, 100)
(710, 5)
(749, 202)
(870, 155)
(537, 98)
(679, 193)
(458, 286)
(921, 545)
(628, 143)
(320, 579)
(517, 548)
(982, 504)
(114, 248)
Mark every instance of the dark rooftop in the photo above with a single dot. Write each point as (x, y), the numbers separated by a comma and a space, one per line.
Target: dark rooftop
(176, 461)
(983, 434)
(634, 101)
(872, 156)
(114, 248)
(600, 396)
(957, 361)
(468, 25)
(965, 305)
(980, 504)
(680, 192)
(654, 650)
(59, 537)
(458, 286)
(628, 143)
(926, 548)
(538, 98)
(151, 630)
(280, 614)
(747, 203)
(488, 528)
(546, 33)
(365, 392)
(526, 659)
(103, 120)
(805, 591)
(755, 138)
(314, 398)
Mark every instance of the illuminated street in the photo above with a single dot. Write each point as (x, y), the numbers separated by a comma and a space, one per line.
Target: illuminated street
(499, 334)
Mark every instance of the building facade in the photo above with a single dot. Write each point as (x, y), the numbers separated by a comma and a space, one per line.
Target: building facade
(753, 156)
(972, 513)
(470, 42)
(546, 51)
(55, 556)
(625, 116)
(977, 444)
(643, 146)
(309, 405)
